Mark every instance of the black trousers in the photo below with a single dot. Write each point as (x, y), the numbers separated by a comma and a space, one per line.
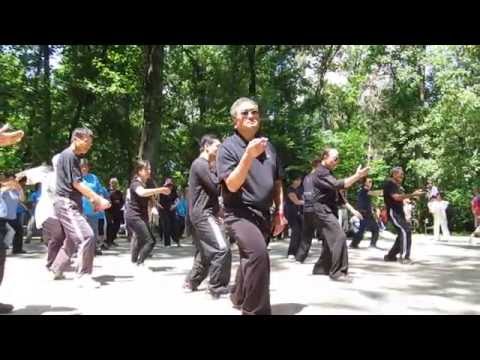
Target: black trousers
(252, 282)
(3, 247)
(308, 233)
(403, 242)
(333, 260)
(113, 226)
(17, 244)
(179, 227)
(368, 222)
(167, 224)
(212, 255)
(295, 222)
(142, 241)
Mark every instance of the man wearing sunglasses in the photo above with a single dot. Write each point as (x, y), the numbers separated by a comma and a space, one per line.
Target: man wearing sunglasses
(250, 174)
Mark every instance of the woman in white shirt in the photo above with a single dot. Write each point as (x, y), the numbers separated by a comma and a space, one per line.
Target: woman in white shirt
(438, 208)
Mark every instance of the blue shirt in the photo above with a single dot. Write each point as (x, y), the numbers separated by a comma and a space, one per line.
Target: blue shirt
(182, 207)
(11, 199)
(92, 181)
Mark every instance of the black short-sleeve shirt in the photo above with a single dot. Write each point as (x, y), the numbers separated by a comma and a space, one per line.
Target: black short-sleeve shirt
(293, 209)
(203, 189)
(326, 196)
(389, 188)
(364, 201)
(137, 206)
(257, 190)
(68, 172)
(308, 194)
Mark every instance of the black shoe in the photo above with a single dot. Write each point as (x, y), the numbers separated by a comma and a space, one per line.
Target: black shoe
(5, 308)
(104, 247)
(353, 246)
(98, 252)
(389, 259)
(19, 252)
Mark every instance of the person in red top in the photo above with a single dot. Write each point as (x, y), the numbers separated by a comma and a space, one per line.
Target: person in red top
(475, 205)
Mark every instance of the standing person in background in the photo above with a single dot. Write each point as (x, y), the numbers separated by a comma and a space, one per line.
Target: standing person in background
(114, 214)
(309, 223)
(34, 198)
(364, 205)
(12, 197)
(294, 207)
(52, 230)
(438, 208)
(475, 206)
(7, 138)
(166, 212)
(93, 217)
(181, 214)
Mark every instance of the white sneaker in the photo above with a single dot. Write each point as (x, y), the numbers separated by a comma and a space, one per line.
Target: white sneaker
(291, 257)
(86, 281)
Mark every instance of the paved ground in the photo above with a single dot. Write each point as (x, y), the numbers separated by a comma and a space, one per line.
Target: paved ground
(445, 279)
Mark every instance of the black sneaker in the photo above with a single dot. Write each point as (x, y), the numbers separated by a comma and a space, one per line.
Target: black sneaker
(98, 252)
(5, 308)
(389, 259)
(353, 247)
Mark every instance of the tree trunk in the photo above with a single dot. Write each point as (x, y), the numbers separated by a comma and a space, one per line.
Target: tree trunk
(47, 119)
(152, 100)
(252, 87)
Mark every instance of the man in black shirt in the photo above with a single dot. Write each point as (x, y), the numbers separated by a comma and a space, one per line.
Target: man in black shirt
(294, 205)
(250, 173)
(326, 198)
(393, 195)
(114, 214)
(68, 209)
(309, 222)
(364, 205)
(212, 255)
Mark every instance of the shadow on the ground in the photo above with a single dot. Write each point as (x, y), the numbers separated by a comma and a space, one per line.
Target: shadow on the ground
(287, 308)
(41, 309)
(160, 268)
(106, 279)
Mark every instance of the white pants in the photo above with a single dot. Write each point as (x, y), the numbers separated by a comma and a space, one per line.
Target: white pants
(440, 220)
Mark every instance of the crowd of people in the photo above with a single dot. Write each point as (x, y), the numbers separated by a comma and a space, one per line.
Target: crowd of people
(235, 194)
